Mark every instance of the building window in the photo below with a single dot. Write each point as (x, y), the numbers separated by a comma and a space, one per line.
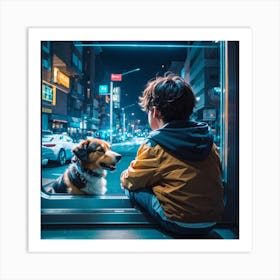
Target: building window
(77, 62)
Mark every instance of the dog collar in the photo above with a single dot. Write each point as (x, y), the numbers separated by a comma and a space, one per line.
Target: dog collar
(76, 177)
(93, 173)
(80, 170)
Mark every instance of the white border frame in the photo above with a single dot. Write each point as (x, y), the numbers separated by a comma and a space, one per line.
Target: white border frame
(36, 35)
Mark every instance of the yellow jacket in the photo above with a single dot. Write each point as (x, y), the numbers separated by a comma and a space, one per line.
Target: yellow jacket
(188, 190)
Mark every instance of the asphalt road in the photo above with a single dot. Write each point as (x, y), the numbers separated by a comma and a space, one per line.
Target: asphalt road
(127, 150)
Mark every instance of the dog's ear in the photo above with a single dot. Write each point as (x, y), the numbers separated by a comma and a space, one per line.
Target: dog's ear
(81, 151)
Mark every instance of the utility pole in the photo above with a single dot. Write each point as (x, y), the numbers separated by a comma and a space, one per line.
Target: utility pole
(115, 77)
(111, 111)
(124, 128)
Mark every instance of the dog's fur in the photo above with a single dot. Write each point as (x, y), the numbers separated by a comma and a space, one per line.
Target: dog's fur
(86, 174)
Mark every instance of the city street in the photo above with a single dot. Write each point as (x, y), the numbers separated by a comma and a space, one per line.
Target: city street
(127, 150)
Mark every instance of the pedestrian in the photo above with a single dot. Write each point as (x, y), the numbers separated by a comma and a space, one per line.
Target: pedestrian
(176, 176)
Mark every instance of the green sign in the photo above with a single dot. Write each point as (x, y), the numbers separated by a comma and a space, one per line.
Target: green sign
(103, 89)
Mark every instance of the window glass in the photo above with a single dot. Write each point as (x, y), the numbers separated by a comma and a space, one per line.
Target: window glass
(46, 138)
(130, 65)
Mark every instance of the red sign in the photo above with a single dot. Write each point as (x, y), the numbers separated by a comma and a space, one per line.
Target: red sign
(116, 77)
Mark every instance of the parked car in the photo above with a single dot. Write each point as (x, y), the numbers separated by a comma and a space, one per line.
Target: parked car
(46, 132)
(61, 145)
(47, 153)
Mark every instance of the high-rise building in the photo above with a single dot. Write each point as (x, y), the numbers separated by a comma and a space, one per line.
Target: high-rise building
(68, 76)
(202, 71)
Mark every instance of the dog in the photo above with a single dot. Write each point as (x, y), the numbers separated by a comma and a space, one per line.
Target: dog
(88, 169)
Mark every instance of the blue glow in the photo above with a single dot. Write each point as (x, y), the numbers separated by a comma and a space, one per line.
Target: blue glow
(145, 45)
(103, 89)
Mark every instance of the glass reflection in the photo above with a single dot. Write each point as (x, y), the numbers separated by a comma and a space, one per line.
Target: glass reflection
(82, 99)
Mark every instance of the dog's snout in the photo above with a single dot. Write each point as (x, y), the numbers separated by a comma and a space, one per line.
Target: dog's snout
(118, 157)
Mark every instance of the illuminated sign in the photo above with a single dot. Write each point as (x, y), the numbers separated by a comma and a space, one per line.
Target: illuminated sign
(46, 110)
(116, 97)
(116, 77)
(103, 89)
(61, 78)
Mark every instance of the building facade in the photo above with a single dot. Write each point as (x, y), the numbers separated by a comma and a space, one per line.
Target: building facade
(68, 81)
(202, 71)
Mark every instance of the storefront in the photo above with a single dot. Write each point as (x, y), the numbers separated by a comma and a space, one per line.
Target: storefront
(59, 123)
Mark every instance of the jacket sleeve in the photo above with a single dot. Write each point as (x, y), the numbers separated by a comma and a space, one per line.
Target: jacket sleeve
(144, 170)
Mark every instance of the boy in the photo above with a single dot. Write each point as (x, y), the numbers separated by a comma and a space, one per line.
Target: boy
(176, 175)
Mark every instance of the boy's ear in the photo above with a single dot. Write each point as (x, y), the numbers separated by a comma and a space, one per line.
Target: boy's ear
(156, 113)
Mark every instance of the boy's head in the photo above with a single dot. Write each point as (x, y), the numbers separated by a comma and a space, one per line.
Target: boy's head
(171, 96)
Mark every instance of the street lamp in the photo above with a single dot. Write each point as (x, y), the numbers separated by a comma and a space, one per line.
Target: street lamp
(131, 71)
(116, 77)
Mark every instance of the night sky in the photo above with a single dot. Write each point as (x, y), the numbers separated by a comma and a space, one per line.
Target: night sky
(152, 61)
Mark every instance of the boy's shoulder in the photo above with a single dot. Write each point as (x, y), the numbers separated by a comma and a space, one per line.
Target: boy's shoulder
(150, 142)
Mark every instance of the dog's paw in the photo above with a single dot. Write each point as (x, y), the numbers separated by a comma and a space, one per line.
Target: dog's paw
(50, 190)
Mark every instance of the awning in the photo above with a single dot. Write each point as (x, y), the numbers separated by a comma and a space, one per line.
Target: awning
(74, 124)
(73, 119)
(59, 118)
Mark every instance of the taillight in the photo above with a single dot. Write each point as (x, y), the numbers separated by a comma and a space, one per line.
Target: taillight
(49, 145)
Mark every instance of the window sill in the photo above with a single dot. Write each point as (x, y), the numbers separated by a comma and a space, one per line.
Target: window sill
(57, 209)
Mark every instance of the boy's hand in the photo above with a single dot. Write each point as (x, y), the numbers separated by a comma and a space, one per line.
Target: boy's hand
(123, 178)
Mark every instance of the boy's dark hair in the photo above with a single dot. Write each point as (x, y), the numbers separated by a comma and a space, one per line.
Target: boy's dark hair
(171, 95)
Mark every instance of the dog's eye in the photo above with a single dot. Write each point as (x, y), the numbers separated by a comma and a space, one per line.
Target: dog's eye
(100, 149)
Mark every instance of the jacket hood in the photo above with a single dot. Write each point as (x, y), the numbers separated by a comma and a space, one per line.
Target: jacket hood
(187, 140)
